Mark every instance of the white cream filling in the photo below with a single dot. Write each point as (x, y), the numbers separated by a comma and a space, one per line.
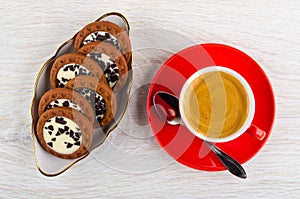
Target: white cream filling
(65, 73)
(62, 142)
(102, 36)
(64, 103)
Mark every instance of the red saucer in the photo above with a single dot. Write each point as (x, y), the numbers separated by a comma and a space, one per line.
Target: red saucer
(181, 144)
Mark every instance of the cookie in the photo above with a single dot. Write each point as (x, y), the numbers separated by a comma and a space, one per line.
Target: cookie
(99, 95)
(62, 97)
(110, 60)
(68, 66)
(104, 31)
(64, 132)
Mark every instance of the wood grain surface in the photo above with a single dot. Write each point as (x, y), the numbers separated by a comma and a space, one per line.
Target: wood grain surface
(268, 30)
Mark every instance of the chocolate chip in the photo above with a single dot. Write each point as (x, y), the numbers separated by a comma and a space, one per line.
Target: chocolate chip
(114, 78)
(50, 132)
(57, 82)
(66, 128)
(60, 120)
(71, 133)
(100, 112)
(100, 106)
(61, 131)
(50, 127)
(116, 70)
(69, 145)
(50, 144)
(64, 79)
(66, 104)
(53, 139)
(60, 85)
(100, 37)
(107, 70)
(73, 68)
(77, 143)
(66, 69)
(76, 135)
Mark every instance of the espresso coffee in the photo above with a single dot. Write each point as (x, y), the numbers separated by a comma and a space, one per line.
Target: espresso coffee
(216, 104)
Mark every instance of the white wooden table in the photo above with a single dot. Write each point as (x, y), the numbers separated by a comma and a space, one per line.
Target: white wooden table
(268, 30)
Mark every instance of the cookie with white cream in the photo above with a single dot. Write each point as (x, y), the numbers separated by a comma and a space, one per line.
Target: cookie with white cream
(99, 94)
(62, 97)
(104, 31)
(71, 65)
(64, 132)
(110, 60)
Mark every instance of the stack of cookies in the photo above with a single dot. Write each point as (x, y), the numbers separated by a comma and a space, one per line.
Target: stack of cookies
(83, 84)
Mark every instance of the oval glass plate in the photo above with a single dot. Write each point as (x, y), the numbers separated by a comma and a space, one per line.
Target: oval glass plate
(47, 163)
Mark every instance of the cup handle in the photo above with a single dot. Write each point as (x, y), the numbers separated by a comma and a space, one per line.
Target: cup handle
(256, 132)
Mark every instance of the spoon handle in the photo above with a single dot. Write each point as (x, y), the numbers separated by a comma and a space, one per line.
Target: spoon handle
(231, 164)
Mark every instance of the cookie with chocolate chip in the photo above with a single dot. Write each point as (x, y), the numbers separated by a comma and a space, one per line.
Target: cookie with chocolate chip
(62, 97)
(68, 66)
(104, 31)
(110, 60)
(99, 94)
(64, 132)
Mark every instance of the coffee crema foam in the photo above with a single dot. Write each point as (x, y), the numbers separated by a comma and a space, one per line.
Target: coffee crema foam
(216, 104)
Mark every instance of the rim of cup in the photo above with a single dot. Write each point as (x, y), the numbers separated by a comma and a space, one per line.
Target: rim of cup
(248, 89)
